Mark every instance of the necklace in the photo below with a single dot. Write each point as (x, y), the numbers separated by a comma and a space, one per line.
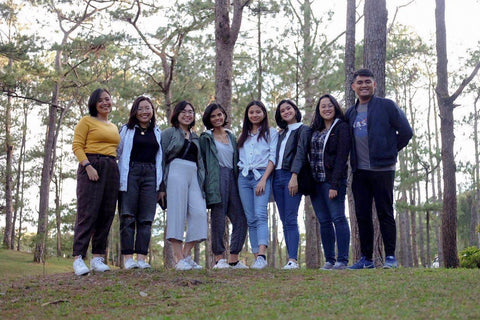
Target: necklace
(143, 130)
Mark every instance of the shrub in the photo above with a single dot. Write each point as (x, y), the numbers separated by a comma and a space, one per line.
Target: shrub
(470, 258)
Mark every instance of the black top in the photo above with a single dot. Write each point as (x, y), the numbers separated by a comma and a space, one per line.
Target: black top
(191, 154)
(145, 146)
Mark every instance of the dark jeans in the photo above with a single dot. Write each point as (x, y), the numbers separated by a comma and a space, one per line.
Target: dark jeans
(137, 208)
(374, 185)
(230, 207)
(287, 210)
(96, 203)
(333, 223)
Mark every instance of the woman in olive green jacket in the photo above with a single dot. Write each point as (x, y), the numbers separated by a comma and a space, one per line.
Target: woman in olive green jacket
(220, 155)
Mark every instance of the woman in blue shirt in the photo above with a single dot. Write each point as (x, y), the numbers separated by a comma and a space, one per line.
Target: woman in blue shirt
(256, 144)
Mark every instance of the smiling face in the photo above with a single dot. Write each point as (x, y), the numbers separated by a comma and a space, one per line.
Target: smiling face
(104, 104)
(326, 109)
(186, 116)
(217, 118)
(144, 113)
(255, 115)
(364, 87)
(288, 113)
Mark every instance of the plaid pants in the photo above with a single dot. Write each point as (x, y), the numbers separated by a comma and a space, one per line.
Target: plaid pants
(96, 204)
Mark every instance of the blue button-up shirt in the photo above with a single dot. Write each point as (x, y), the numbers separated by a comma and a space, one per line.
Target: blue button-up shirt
(255, 154)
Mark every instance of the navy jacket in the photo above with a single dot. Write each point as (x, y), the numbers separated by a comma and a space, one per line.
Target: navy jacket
(388, 131)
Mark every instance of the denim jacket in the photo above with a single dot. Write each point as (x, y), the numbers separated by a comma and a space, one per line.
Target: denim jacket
(123, 155)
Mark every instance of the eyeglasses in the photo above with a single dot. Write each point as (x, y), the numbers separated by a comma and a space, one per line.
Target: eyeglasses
(187, 112)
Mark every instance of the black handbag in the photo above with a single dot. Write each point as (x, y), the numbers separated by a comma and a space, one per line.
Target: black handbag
(306, 184)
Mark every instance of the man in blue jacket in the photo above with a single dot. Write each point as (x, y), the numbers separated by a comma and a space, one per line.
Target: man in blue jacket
(380, 130)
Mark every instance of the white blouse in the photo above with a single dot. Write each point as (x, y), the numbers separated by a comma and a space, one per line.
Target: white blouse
(254, 155)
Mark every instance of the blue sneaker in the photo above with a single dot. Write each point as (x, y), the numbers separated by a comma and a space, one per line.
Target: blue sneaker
(363, 263)
(390, 263)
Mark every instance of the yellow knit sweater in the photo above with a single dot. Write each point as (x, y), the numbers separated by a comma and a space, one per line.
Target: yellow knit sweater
(94, 136)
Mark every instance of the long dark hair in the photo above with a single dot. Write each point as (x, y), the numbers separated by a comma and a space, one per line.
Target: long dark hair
(132, 120)
(208, 112)
(317, 122)
(278, 117)
(247, 125)
(176, 112)
(92, 101)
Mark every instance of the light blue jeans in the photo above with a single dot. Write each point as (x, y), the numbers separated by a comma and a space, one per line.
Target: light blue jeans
(255, 208)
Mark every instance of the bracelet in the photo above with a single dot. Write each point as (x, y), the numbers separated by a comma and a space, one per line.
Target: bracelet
(87, 164)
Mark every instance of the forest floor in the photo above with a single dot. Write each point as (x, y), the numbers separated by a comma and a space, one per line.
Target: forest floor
(404, 293)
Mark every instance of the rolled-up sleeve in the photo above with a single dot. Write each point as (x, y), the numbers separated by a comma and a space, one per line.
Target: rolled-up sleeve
(273, 145)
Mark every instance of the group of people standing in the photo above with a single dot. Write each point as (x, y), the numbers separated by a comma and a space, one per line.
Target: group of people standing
(234, 178)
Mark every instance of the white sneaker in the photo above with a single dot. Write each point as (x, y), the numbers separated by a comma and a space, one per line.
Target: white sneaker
(291, 265)
(143, 265)
(221, 264)
(260, 263)
(97, 264)
(240, 265)
(79, 267)
(183, 265)
(194, 265)
(130, 264)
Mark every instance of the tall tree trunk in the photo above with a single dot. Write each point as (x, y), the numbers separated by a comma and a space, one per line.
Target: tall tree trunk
(225, 37)
(312, 258)
(9, 226)
(446, 105)
(58, 210)
(476, 179)
(349, 101)
(375, 47)
(374, 56)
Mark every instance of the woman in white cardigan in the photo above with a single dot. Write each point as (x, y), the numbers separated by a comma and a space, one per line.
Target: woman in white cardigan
(140, 166)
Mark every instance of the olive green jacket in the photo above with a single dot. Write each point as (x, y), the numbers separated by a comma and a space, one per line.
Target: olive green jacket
(212, 167)
(172, 142)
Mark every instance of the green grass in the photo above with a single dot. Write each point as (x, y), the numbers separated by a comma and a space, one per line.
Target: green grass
(14, 264)
(245, 294)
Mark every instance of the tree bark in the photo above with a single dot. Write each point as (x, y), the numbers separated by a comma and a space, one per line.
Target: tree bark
(225, 37)
(375, 48)
(446, 105)
(9, 226)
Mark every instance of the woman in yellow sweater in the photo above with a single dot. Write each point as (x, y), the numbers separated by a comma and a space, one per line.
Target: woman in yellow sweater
(95, 144)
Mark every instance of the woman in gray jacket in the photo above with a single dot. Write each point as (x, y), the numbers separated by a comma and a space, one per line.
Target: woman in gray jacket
(220, 155)
(183, 177)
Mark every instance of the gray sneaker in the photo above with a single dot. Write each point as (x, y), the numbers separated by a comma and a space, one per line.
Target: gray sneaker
(183, 265)
(339, 266)
(327, 266)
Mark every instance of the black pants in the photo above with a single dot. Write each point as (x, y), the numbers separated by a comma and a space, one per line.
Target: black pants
(137, 208)
(378, 185)
(96, 203)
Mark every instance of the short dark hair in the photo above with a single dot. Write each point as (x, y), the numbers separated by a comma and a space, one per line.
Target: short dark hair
(132, 120)
(176, 112)
(363, 73)
(278, 117)
(92, 101)
(247, 125)
(208, 112)
(317, 123)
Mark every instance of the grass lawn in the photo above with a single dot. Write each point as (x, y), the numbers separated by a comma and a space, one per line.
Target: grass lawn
(243, 294)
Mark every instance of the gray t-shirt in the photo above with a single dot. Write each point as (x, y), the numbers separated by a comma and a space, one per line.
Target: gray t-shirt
(360, 132)
(225, 154)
